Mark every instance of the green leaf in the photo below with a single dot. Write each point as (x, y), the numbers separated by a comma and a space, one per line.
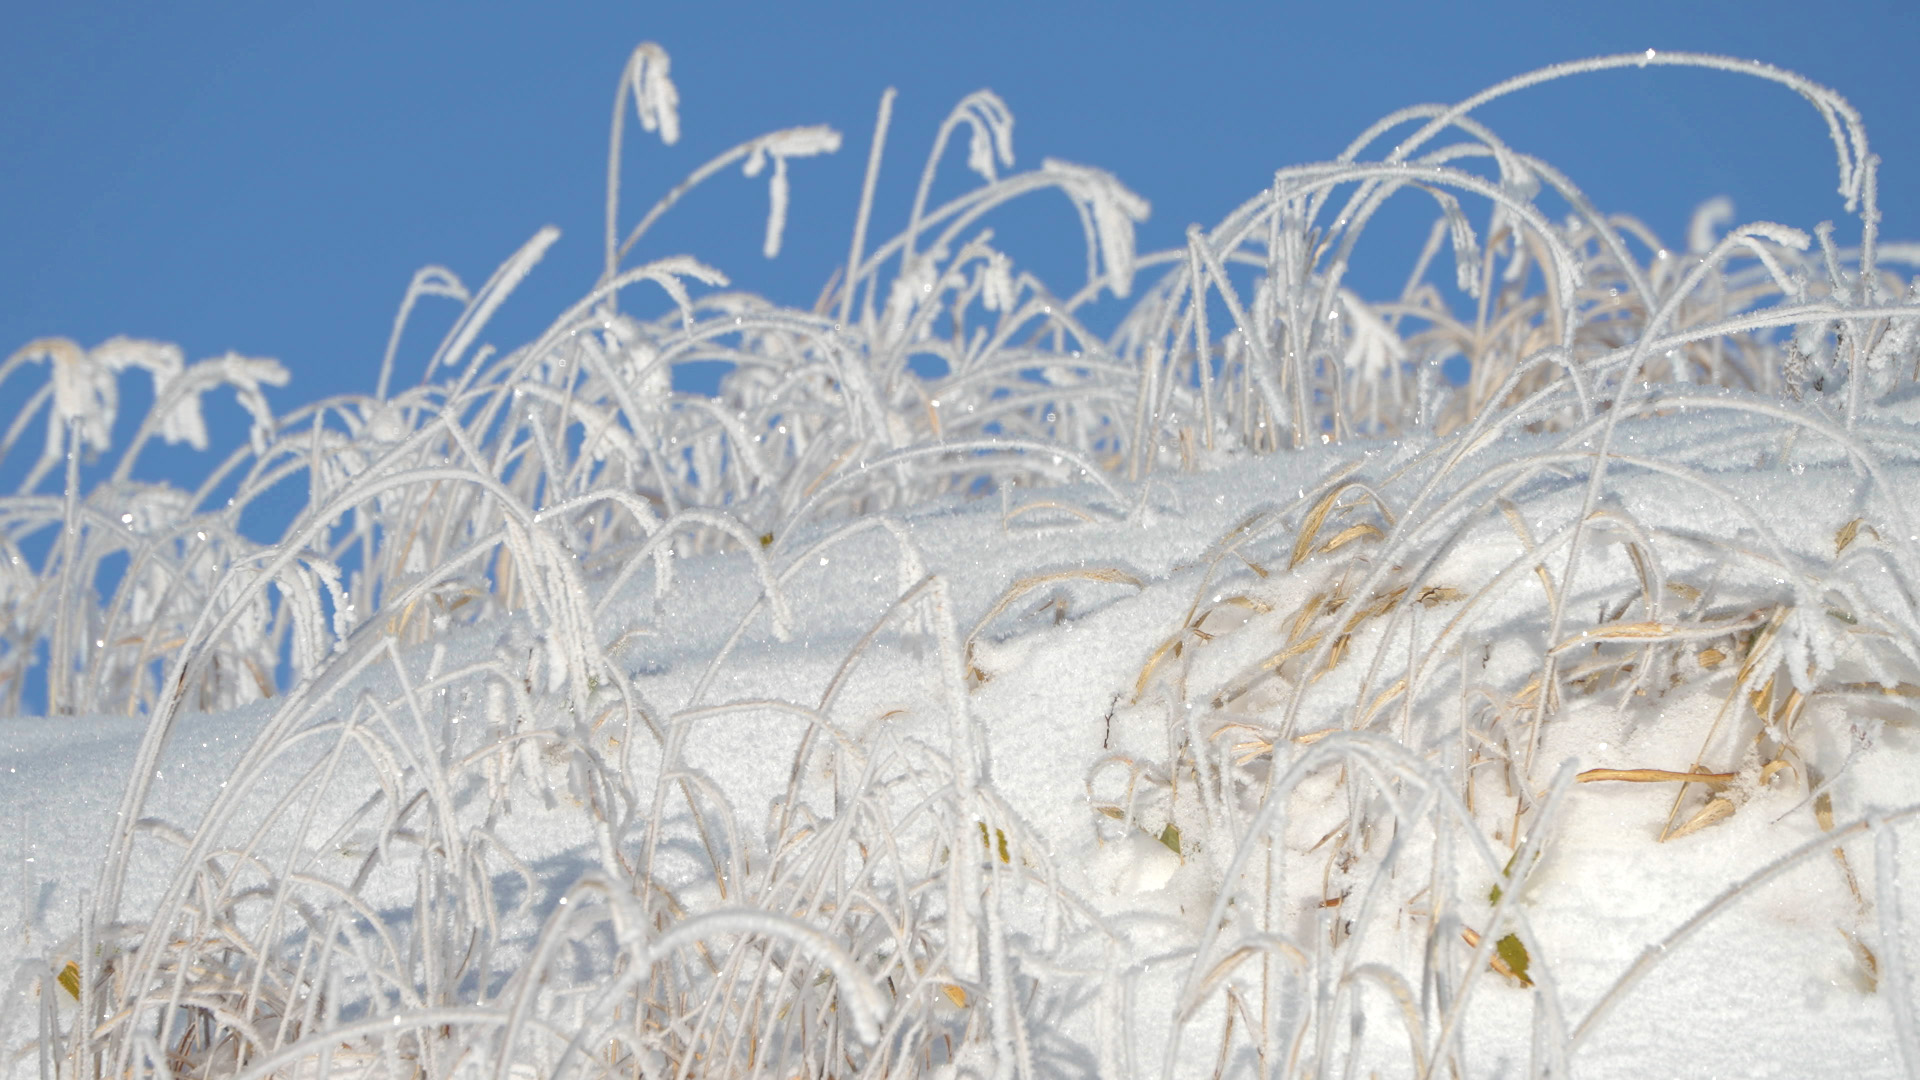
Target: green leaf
(1493, 896)
(1005, 855)
(1170, 836)
(1515, 955)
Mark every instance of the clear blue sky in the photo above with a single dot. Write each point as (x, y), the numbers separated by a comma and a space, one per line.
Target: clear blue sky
(267, 177)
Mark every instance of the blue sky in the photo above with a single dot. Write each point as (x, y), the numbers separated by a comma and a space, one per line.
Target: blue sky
(266, 178)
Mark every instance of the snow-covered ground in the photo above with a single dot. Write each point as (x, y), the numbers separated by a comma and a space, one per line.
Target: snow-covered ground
(1096, 706)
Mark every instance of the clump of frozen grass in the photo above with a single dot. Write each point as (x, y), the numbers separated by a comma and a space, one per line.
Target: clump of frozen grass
(889, 914)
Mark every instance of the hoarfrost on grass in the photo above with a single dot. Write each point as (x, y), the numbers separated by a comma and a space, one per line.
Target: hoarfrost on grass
(1200, 698)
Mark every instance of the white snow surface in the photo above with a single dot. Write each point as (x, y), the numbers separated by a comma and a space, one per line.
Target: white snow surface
(1773, 985)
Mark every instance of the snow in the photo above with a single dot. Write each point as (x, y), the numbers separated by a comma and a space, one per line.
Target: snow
(1739, 998)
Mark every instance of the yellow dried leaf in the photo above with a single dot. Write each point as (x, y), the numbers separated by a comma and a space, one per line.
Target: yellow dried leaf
(1515, 522)
(1348, 535)
(1304, 617)
(1634, 631)
(1290, 652)
(1655, 776)
(1310, 527)
(1524, 698)
(1258, 606)
(1110, 575)
(1250, 751)
(1862, 955)
(1439, 594)
(1546, 582)
(1171, 645)
(1380, 702)
(1846, 535)
(1717, 808)
(955, 994)
(69, 979)
(1337, 653)
(1712, 658)
(1657, 631)
(1376, 607)
(1639, 559)
(1683, 591)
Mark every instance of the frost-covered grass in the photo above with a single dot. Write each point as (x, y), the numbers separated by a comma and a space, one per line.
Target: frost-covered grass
(961, 690)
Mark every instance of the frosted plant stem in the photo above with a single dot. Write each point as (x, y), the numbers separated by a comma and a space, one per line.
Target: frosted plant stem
(491, 295)
(26, 883)
(1262, 362)
(48, 1043)
(60, 653)
(1893, 952)
(1202, 340)
(1842, 120)
(82, 1044)
(616, 130)
(427, 281)
(874, 155)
